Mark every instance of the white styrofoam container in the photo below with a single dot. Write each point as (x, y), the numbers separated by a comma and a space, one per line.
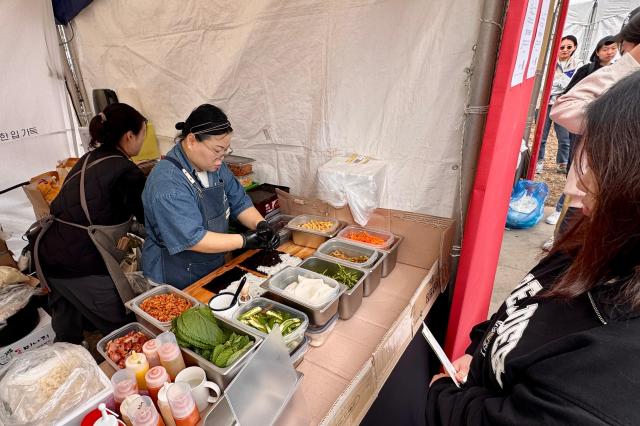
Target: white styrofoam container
(43, 334)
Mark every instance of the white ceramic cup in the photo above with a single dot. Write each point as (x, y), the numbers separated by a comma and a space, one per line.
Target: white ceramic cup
(196, 378)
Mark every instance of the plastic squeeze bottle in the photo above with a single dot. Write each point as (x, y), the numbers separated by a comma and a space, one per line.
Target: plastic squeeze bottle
(124, 384)
(107, 417)
(163, 405)
(128, 406)
(183, 407)
(150, 350)
(170, 354)
(146, 414)
(155, 378)
(138, 364)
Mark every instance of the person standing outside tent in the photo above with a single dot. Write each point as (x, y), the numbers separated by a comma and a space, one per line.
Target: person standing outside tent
(569, 108)
(104, 188)
(603, 55)
(565, 68)
(562, 349)
(188, 200)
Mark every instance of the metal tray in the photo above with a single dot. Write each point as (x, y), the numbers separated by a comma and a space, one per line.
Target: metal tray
(134, 326)
(307, 237)
(318, 315)
(351, 299)
(392, 257)
(145, 318)
(222, 376)
(349, 249)
(292, 340)
(388, 237)
(279, 223)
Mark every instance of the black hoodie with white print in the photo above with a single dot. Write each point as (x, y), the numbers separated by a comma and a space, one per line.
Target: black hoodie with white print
(541, 361)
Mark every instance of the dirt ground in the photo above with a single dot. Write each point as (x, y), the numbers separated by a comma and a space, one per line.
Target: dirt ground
(550, 175)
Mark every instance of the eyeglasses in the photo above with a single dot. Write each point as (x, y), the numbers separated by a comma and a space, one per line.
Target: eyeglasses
(566, 47)
(218, 155)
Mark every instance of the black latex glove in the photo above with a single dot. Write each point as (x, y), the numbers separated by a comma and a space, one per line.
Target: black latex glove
(265, 231)
(256, 240)
(252, 240)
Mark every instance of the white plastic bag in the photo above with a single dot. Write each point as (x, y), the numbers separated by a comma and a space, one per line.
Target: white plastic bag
(42, 385)
(355, 180)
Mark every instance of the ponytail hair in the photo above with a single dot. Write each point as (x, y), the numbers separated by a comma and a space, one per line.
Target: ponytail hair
(108, 127)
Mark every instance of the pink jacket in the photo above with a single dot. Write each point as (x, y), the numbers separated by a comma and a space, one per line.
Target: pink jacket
(569, 112)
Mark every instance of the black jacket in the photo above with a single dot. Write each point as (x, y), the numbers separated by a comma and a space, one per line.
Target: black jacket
(583, 72)
(113, 189)
(540, 361)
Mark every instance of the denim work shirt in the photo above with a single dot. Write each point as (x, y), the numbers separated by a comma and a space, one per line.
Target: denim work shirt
(172, 214)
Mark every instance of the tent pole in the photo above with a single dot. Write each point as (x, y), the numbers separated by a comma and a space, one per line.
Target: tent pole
(73, 78)
(480, 78)
(546, 93)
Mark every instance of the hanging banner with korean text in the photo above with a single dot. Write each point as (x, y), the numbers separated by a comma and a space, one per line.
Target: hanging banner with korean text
(34, 123)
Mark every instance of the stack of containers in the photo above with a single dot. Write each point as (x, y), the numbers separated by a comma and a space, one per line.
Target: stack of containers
(389, 245)
(373, 264)
(351, 299)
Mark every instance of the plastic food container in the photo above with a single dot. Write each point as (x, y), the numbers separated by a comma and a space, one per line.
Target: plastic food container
(75, 416)
(310, 238)
(223, 376)
(386, 236)
(291, 340)
(351, 250)
(298, 355)
(246, 180)
(351, 299)
(122, 331)
(148, 320)
(239, 166)
(279, 223)
(318, 315)
(319, 335)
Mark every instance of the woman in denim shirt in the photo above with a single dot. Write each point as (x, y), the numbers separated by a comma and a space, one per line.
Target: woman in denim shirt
(188, 200)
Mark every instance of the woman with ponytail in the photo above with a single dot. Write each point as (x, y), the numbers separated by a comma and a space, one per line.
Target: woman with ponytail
(102, 190)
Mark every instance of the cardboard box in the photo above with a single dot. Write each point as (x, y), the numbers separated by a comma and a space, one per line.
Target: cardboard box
(355, 400)
(40, 336)
(426, 238)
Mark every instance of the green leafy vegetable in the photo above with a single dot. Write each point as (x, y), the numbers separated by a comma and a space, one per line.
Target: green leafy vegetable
(197, 329)
(345, 276)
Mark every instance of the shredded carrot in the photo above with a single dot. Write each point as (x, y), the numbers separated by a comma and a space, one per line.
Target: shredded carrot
(365, 237)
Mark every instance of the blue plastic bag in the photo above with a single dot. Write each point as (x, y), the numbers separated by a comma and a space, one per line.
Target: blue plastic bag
(526, 207)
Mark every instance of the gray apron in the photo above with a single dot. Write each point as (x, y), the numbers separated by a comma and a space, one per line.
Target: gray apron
(104, 237)
(184, 268)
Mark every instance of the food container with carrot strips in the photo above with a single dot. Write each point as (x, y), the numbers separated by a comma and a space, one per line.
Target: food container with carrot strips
(160, 305)
(311, 231)
(375, 238)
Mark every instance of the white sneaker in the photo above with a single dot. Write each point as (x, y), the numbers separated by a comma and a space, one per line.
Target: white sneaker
(539, 167)
(547, 245)
(553, 218)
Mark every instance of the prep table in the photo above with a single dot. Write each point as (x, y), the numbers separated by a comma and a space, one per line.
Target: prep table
(343, 377)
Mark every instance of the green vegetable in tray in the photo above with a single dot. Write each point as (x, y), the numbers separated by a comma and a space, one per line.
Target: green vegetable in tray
(198, 330)
(344, 276)
(265, 319)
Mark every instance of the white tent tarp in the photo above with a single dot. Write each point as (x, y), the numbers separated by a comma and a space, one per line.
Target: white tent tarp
(589, 27)
(300, 80)
(34, 124)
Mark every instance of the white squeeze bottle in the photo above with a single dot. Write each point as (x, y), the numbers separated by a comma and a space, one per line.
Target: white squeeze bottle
(163, 405)
(170, 354)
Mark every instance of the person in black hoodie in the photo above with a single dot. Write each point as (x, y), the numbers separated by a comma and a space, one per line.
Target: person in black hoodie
(563, 348)
(81, 286)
